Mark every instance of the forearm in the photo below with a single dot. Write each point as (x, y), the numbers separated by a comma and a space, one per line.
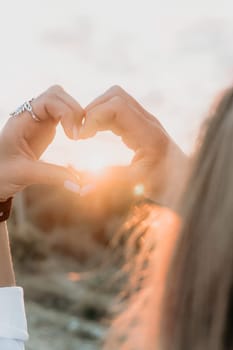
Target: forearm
(178, 174)
(7, 276)
(172, 179)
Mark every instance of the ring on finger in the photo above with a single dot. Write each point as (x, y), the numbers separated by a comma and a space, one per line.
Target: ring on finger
(26, 107)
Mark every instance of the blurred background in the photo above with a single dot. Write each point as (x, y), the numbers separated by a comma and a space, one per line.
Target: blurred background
(174, 57)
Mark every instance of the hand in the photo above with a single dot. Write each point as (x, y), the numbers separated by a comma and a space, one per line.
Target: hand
(158, 163)
(23, 140)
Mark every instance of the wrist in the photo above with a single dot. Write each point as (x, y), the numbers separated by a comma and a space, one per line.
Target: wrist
(176, 179)
(5, 209)
(7, 277)
(172, 180)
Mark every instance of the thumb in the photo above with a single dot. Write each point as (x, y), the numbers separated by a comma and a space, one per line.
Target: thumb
(50, 174)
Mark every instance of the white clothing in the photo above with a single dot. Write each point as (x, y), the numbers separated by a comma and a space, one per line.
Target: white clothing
(13, 324)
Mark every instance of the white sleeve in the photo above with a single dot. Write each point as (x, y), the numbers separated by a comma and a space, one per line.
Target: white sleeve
(13, 324)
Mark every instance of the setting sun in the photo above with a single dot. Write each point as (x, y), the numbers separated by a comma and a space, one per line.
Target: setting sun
(92, 155)
(95, 163)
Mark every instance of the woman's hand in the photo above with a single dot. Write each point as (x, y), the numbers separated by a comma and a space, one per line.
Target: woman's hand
(23, 140)
(158, 163)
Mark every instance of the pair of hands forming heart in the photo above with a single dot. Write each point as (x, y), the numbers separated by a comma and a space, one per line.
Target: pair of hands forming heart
(22, 141)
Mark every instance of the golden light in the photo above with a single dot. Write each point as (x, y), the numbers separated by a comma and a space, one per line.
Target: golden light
(73, 276)
(92, 155)
(95, 164)
(139, 190)
(95, 155)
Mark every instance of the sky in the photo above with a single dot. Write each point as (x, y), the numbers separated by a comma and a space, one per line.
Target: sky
(173, 56)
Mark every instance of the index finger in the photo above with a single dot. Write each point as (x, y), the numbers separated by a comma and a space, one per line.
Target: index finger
(119, 117)
(52, 107)
(117, 91)
(46, 107)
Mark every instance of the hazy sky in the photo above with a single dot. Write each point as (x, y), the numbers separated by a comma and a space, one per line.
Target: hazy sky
(171, 55)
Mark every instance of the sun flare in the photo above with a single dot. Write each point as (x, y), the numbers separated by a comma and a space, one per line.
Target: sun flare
(92, 155)
(97, 154)
(95, 164)
(139, 190)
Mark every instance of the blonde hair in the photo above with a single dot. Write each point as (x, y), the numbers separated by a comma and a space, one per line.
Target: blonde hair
(197, 298)
(198, 302)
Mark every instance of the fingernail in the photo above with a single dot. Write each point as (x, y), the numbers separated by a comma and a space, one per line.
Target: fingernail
(71, 186)
(73, 171)
(87, 189)
(75, 132)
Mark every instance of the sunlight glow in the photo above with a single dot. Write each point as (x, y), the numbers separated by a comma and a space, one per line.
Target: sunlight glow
(92, 155)
(73, 276)
(139, 190)
(96, 164)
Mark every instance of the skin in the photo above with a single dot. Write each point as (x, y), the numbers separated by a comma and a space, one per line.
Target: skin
(157, 157)
(23, 141)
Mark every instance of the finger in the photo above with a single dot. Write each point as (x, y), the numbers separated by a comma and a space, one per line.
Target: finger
(58, 111)
(41, 107)
(28, 138)
(78, 112)
(57, 105)
(37, 145)
(118, 91)
(119, 117)
(51, 107)
(50, 174)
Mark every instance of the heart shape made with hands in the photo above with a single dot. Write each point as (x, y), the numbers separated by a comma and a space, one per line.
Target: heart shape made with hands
(114, 111)
(23, 140)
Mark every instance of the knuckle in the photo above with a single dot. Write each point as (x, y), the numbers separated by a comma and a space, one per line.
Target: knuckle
(117, 102)
(92, 117)
(93, 121)
(55, 89)
(60, 114)
(116, 90)
(89, 116)
(117, 107)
